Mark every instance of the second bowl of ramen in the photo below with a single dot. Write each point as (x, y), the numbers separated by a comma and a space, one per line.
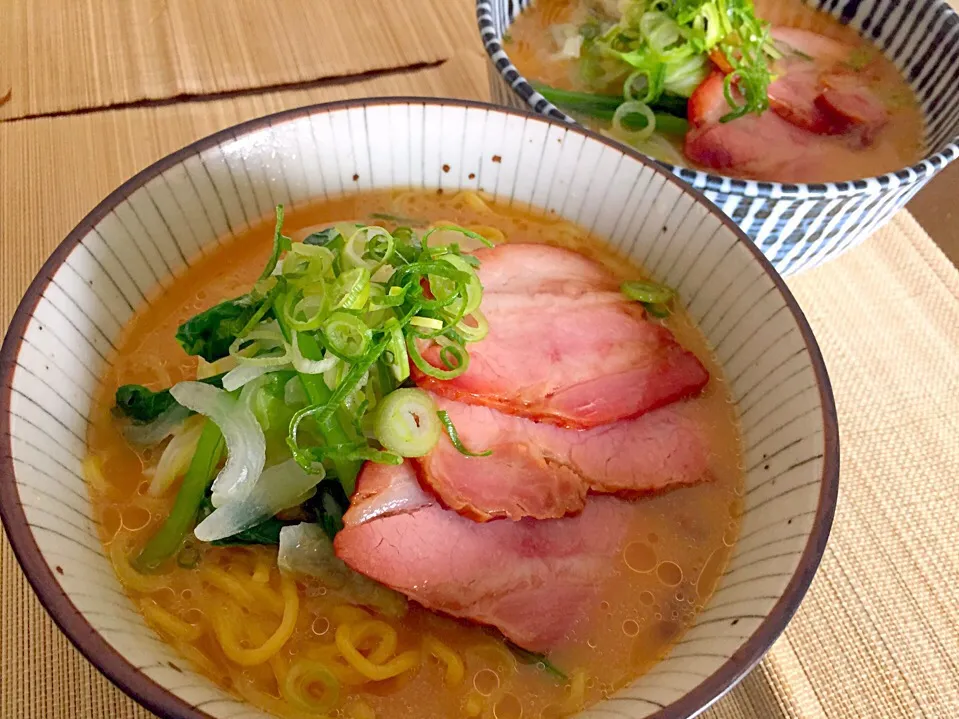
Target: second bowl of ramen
(809, 127)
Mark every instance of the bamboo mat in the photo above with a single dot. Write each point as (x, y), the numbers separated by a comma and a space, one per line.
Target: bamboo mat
(878, 635)
(63, 55)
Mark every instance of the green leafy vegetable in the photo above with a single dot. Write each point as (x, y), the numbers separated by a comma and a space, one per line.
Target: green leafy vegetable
(322, 238)
(331, 503)
(165, 543)
(210, 333)
(144, 405)
(524, 656)
(455, 438)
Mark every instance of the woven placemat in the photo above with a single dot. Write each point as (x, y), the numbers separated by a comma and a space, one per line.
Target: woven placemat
(59, 56)
(878, 635)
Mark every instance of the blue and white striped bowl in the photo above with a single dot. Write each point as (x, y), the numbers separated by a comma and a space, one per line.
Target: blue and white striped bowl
(799, 226)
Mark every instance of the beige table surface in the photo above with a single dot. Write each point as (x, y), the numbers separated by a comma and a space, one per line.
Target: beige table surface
(878, 634)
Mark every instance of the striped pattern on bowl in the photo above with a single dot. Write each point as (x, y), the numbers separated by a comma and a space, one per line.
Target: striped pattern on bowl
(801, 226)
(153, 227)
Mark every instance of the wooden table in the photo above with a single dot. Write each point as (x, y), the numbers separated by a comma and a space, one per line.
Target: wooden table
(101, 88)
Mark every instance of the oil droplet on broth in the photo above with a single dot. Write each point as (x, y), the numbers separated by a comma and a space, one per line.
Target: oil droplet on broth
(639, 557)
(652, 537)
(729, 535)
(486, 681)
(710, 574)
(630, 628)
(508, 707)
(110, 522)
(135, 518)
(669, 573)
(647, 598)
(320, 626)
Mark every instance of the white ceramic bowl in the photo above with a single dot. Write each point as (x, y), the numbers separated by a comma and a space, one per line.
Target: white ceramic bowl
(149, 230)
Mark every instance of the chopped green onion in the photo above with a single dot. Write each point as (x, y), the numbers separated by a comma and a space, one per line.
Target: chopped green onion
(427, 322)
(397, 357)
(280, 243)
(346, 335)
(648, 292)
(406, 423)
(455, 438)
(352, 289)
(454, 368)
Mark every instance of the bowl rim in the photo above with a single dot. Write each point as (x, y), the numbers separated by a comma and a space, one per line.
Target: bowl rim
(149, 693)
(927, 166)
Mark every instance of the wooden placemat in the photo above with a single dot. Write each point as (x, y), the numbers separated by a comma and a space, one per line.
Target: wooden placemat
(878, 635)
(59, 56)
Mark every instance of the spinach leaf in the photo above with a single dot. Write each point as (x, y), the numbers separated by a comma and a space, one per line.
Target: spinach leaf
(144, 405)
(210, 333)
(322, 238)
(330, 504)
(196, 483)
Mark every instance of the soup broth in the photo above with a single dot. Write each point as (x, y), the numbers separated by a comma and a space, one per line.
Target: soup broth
(535, 39)
(216, 604)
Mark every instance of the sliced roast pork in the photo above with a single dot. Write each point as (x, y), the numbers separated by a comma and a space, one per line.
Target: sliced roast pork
(565, 346)
(531, 579)
(761, 147)
(543, 471)
(818, 90)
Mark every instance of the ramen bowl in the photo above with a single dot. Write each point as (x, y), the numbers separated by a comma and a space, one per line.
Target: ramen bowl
(799, 226)
(152, 228)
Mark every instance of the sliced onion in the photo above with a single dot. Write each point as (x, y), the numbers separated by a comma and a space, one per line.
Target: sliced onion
(152, 433)
(406, 423)
(176, 456)
(634, 107)
(308, 366)
(245, 443)
(277, 488)
(305, 549)
(240, 376)
(473, 327)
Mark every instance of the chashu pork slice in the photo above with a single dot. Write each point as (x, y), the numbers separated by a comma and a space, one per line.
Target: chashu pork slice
(543, 471)
(533, 580)
(564, 345)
